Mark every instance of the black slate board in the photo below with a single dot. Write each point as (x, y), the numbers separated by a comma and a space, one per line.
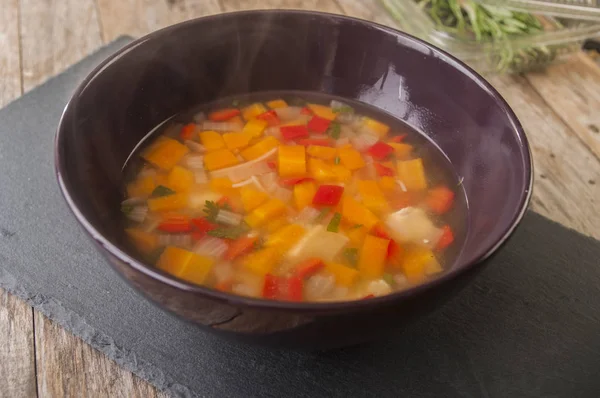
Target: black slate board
(528, 326)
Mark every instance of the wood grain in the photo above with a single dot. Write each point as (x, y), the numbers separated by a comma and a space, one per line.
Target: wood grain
(139, 17)
(319, 5)
(10, 63)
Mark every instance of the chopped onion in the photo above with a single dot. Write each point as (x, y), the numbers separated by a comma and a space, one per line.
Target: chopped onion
(273, 131)
(199, 117)
(342, 142)
(138, 213)
(147, 172)
(243, 289)
(258, 184)
(346, 132)
(337, 105)
(197, 199)
(319, 286)
(243, 183)
(228, 217)
(347, 117)
(246, 170)
(307, 215)
(402, 186)
(269, 181)
(283, 194)
(288, 113)
(411, 225)
(370, 170)
(379, 288)
(179, 240)
(221, 126)
(318, 242)
(223, 272)
(150, 224)
(194, 146)
(211, 247)
(194, 161)
(362, 142)
(133, 201)
(401, 281)
(200, 177)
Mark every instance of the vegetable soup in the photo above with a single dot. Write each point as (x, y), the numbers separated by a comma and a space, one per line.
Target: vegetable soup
(297, 197)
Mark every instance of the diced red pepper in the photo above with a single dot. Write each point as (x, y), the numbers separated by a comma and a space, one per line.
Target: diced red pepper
(393, 249)
(226, 201)
(315, 141)
(398, 138)
(270, 117)
(187, 131)
(293, 132)
(380, 150)
(203, 225)
(368, 296)
(175, 224)
(318, 124)
(446, 239)
(306, 111)
(309, 267)
(293, 181)
(272, 164)
(223, 114)
(271, 287)
(197, 235)
(383, 170)
(294, 289)
(440, 199)
(328, 195)
(240, 247)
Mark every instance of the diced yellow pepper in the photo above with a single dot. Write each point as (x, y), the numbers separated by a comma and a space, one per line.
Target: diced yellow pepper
(412, 174)
(371, 263)
(262, 261)
(265, 212)
(278, 103)
(141, 187)
(212, 140)
(344, 276)
(145, 242)
(292, 161)
(321, 171)
(184, 264)
(276, 224)
(166, 153)
(286, 237)
(351, 158)
(355, 213)
(237, 120)
(254, 128)
(417, 262)
(372, 196)
(342, 174)
(356, 234)
(180, 179)
(377, 127)
(219, 159)
(402, 151)
(236, 140)
(322, 152)
(252, 111)
(322, 111)
(161, 179)
(168, 203)
(222, 185)
(304, 193)
(260, 148)
(252, 198)
(387, 184)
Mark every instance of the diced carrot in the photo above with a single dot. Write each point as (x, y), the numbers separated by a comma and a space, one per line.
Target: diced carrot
(270, 117)
(446, 239)
(309, 267)
(239, 247)
(440, 199)
(187, 131)
(223, 114)
(315, 141)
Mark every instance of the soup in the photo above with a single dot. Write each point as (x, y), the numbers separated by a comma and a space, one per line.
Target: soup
(283, 198)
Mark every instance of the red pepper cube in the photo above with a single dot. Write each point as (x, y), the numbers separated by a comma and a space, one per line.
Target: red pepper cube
(293, 132)
(187, 131)
(383, 171)
(270, 117)
(292, 289)
(318, 124)
(328, 195)
(271, 287)
(446, 239)
(380, 150)
(306, 111)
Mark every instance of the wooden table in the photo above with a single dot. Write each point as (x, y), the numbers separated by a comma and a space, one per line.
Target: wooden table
(560, 109)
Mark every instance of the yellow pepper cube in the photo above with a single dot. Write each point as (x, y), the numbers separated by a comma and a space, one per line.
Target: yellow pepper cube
(262, 261)
(321, 171)
(373, 253)
(344, 276)
(265, 212)
(372, 196)
(355, 213)
(168, 203)
(255, 128)
(276, 224)
(412, 174)
(356, 234)
(219, 159)
(143, 186)
(402, 151)
(417, 262)
(351, 158)
(252, 111)
(145, 242)
(304, 193)
(174, 260)
(278, 103)
(377, 127)
(286, 237)
(260, 148)
(180, 179)
(212, 140)
(235, 141)
(222, 185)
(292, 161)
(252, 198)
(342, 174)
(166, 153)
(321, 152)
(388, 184)
(322, 111)
(197, 269)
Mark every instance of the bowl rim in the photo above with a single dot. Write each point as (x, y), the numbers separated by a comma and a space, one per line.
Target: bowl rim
(297, 307)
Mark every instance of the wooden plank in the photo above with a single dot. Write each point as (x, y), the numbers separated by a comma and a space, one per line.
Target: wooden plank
(317, 5)
(10, 63)
(139, 17)
(68, 367)
(54, 35)
(572, 89)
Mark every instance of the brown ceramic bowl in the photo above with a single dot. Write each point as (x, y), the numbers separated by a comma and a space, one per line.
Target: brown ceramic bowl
(200, 60)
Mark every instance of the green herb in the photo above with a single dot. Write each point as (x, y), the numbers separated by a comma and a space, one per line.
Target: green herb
(334, 224)
(322, 214)
(211, 209)
(356, 226)
(126, 209)
(334, 130)
(389, 279)
(344, 109)
(336, 160)
(233, 232)
(161, 190)
(351, 256)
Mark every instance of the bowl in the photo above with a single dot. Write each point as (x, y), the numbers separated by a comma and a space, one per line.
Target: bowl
(201, 60)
